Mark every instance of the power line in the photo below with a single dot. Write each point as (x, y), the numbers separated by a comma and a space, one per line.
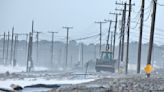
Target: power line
(159, 37)
(88, 37)
(158, 3)
(138, 13)
(149, 12)
(156, 28)
(136, 24)
(156, 33)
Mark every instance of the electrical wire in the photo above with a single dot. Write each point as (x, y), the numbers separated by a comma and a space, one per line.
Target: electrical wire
(146, 19)
(150, 10)
(88, 37)
(139, 11)
(136, 24)
(158, 3)
(158, 29)
(156, 39)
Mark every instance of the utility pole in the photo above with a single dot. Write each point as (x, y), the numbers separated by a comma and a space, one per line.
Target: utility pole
(67, 28)
(7, 51)
(115, 31)
(12, 41)
(29, 57)
(119, 52)
(100, 22)
(107, 43)
(128, 34)
(123, 32)
(59, 56)
(94, 53)
(26, 40)
(52, 48)
(81, 54)
(37, 45)
(4, 45)
(122, 28)
(120, 42)
(111, 41)
(140, 36)
(151, 40)
(26, 46)
(15, 51)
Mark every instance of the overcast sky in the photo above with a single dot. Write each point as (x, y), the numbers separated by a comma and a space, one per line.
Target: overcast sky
(52, 15)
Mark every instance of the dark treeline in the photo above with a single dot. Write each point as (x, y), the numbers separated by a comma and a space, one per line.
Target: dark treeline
(75, 57)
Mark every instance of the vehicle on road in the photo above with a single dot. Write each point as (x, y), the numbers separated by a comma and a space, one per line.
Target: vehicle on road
(106, 62)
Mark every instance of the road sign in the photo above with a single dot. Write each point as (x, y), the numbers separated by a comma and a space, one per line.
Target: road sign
(148, 69)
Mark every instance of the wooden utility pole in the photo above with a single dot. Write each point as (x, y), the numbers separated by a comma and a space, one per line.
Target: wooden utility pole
(59, 56)
(4, 47)
(128, 34)
(29, 56)
(107, 43)
(82, 55)
(119, 52)
(115, 31)
(7, 51)
(122, 28)
(30, 64)
(12, 41)
(151, 40)
(26, 46)
(15, 51)
(111, 41)
(140, 36)
(37, 45)
(120, 39)
(123, 32)
(100, 23)
(95, 52)
(67, 28)
(52, 48)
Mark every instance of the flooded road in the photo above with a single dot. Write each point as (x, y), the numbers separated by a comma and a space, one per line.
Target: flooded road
(35, 89)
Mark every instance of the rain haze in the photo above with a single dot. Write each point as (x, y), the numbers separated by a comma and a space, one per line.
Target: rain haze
(81, 45)
(52, 15)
